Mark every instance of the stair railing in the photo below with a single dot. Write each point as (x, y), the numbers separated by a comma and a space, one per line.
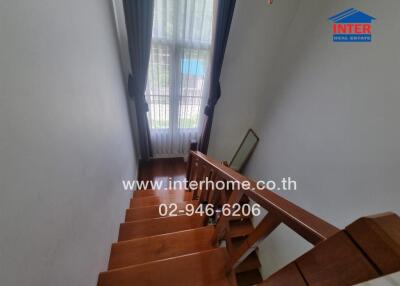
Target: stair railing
(366, 249)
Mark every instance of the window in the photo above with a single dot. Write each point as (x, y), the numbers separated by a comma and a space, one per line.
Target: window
(178, 69)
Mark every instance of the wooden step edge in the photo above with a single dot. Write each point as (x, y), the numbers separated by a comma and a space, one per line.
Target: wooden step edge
(158, 218)
(194, 202)
(204, 252)
(126, 253)
(200, 268)
(159, 235)
(167, 196)
(157, 261)
(139, 228)
(148, 212)
(155, 200)
(155, 192)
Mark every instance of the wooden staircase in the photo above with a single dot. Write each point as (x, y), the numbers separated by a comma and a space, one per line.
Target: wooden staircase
(153, 249)
(184, 250)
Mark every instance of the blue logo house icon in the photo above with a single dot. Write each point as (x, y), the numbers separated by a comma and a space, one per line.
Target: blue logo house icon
(352, 25)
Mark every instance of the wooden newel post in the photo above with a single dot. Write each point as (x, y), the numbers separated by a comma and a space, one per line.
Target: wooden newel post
(189, 167)
(192, 148)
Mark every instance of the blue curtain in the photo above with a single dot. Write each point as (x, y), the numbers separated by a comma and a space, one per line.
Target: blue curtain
(139, 25)
(223, 23)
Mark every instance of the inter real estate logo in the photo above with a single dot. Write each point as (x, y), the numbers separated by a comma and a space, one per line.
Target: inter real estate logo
(352, 25)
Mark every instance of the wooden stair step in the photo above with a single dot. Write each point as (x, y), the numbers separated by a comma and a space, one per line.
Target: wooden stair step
(249, 278)
(142, 250)
(240, 228)
(250, 263)
(197, 269)
(160, 193)
(156, 226)
(156, 200)
(139, 213)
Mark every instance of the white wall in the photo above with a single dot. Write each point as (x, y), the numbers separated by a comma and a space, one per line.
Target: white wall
(256, 34)
(122, 36)
(327, 113)
(65, 141)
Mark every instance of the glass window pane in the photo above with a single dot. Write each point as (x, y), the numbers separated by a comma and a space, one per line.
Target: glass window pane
(179, 59)
(157, 90)
(193, 73)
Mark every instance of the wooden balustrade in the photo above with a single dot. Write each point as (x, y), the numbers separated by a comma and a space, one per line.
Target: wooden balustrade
(366, 249)
(304, 223)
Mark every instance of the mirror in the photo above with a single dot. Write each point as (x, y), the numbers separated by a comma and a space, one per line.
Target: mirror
(244, 151)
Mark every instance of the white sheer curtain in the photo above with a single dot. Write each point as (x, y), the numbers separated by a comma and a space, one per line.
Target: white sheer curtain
(178, 73)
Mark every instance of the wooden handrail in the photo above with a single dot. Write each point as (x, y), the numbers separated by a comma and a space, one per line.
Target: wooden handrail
(304, 223)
